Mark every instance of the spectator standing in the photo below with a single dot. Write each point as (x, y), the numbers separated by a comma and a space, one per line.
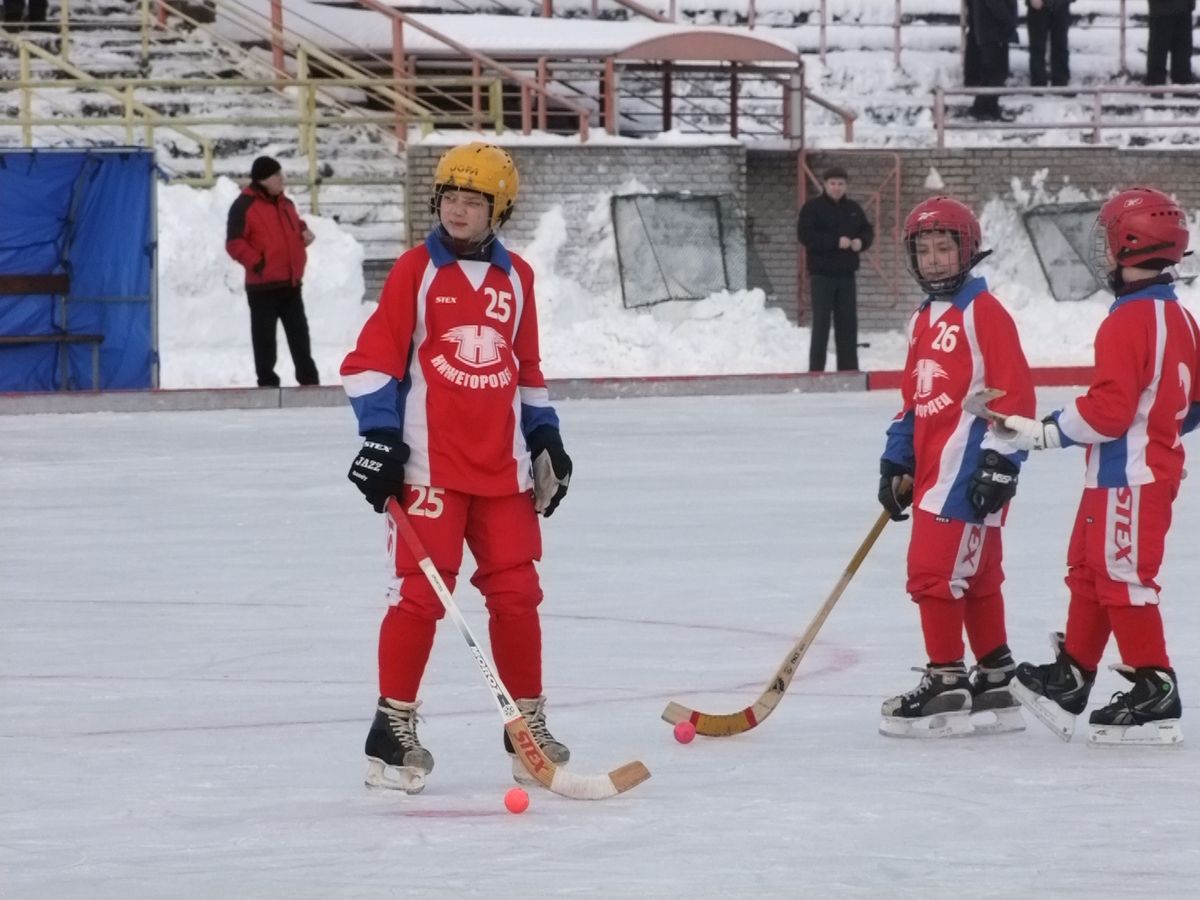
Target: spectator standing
(267, 236)
(835, 231)
(991, 26)
(15, 11)
(1170, 35)
(1049, 19)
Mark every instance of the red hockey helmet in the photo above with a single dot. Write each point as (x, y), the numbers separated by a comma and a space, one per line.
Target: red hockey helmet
(1139, 227)
(943, 214)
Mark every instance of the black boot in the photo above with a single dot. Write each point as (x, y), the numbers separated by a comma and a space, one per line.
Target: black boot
(1153, 700)
(994, 710)
(940, 706)
(1056, 692)
(395, 757)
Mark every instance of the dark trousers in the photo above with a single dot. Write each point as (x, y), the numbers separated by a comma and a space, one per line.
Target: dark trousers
(14, 10)
(985, 65)
(283, 304)
(1052, 22)
(834, 299)
(1170, 35)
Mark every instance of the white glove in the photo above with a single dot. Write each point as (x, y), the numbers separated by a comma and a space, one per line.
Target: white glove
(1030, 434)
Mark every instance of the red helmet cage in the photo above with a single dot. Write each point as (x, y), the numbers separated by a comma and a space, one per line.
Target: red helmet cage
(1139, 227)
(955, 218)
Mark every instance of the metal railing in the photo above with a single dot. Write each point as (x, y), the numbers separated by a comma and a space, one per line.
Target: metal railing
(1096, 123)
(135, 116)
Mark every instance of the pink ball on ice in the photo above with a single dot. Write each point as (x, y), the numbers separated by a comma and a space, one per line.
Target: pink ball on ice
(684, 732)
(516, 801)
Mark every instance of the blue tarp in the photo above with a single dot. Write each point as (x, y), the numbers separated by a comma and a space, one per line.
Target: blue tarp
(88, 214)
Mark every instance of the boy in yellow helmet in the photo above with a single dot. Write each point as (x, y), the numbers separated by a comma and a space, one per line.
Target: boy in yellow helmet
(457, 424)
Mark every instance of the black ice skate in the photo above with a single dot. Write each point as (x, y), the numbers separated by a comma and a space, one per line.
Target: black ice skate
(395, 757)
(994, 710)
(1056, 692)
(534, 711)
(1147, 714)
(940, 706)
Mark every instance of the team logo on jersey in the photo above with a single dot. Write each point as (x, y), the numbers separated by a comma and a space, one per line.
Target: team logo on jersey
(445, 299)
(479, 346)
(926, 371)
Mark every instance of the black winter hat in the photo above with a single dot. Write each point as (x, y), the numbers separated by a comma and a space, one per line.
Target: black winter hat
(264, 167)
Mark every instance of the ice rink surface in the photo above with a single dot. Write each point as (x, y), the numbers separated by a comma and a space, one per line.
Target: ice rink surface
(189, 605)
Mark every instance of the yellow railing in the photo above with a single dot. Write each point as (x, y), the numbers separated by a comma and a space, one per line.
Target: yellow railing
(135, 114)
(138, 122)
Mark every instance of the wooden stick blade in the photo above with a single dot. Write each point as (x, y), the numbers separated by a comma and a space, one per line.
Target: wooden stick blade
(569, 784)
(718, 724)
(977, 404)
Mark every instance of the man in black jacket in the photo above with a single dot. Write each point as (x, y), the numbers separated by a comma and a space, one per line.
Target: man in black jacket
(1170, 33)
(834, 230)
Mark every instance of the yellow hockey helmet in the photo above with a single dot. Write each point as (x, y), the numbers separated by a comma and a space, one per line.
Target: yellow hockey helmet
(480, 167)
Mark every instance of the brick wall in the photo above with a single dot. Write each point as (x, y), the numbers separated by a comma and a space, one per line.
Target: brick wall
(579, 179)
(977, 175)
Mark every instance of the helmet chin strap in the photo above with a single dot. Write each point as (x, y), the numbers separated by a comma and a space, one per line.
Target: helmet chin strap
(956, 281)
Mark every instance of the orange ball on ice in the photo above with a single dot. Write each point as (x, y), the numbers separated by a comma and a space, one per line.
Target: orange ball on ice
(684, 732)
(516, 801)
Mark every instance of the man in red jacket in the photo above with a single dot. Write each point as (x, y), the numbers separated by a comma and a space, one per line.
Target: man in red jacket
(267, 237)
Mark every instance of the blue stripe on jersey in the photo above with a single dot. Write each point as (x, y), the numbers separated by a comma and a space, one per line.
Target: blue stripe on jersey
(1114, 456)
(384, 408)
(899, 448)
(1151, 292)
(441, 255)
(968, 292)
(958, 504)
(533, 417)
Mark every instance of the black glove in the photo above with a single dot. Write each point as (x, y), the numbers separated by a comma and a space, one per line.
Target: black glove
(551, 468)
(993, 484)
(378, 470)
(893, 493)
(259, 266)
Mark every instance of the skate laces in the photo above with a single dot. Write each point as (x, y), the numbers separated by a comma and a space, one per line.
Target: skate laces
(927, 676)
(402, 722)
(925, 684)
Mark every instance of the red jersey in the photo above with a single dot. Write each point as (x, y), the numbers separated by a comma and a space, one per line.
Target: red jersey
(1147, 360)
(450, 359)
(956, 348)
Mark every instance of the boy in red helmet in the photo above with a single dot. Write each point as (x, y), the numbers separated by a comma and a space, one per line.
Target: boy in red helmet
(959, 477)
(447, 386)
(1144, 395)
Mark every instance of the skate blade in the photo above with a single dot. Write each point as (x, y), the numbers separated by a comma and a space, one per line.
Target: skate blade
(1150, 734)
(939, 725)
(394, 778)
(997, 721)
(1045, 710)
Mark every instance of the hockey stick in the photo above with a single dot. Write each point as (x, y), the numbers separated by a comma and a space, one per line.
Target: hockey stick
(725, 724)
(558, 780)
(977, 405)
